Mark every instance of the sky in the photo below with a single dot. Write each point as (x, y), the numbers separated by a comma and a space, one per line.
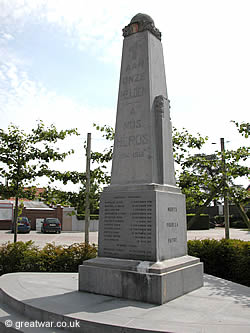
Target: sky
(60, 62)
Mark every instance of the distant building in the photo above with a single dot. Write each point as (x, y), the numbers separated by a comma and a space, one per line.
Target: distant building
(33, 209)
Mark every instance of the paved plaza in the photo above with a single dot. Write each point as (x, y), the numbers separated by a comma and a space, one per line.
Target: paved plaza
(68, 238)
(219, 307)
(60, 301)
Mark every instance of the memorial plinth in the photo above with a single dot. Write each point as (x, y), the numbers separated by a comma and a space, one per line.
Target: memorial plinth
(142, 246)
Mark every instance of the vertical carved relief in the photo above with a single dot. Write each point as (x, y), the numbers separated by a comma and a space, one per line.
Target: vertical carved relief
(159, 102)
(159, 105)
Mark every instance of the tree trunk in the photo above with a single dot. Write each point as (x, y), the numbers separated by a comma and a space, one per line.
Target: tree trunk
(242, 213)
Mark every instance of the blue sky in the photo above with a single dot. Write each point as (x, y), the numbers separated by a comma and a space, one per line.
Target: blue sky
(60, 62)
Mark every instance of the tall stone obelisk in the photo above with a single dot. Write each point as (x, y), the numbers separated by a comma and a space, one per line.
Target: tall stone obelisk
(142, 250)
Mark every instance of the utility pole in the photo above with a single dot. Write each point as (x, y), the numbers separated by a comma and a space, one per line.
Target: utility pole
(87, 211)
(224, 175)
(17, 195)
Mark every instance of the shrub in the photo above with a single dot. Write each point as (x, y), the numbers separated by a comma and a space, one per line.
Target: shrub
(227, 258)
(65, 259)
(19, 256)
(26, 257)
(238, 224)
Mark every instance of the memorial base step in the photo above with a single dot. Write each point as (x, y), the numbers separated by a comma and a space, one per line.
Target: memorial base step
(155, 283)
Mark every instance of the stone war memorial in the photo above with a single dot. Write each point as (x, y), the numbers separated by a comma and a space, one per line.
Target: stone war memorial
(142, 250)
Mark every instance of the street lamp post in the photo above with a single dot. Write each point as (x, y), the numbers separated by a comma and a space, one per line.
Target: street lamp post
(224, 175)
(87, 210)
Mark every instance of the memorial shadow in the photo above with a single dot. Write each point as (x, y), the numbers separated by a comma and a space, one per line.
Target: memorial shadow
(78, 301)
(220, 287)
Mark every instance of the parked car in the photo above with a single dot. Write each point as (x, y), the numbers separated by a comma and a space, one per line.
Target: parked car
(51, 224)
(23, 225)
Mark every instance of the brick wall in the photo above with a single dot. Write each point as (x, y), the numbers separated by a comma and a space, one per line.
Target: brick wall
(40, 213)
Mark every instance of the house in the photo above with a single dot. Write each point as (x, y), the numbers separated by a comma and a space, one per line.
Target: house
(34, 210)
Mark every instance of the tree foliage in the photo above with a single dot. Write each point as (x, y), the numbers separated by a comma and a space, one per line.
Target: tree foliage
(99, 177)
(198, 175)
(202, 174)
(24, 157)
(243, 128)
(76, 199)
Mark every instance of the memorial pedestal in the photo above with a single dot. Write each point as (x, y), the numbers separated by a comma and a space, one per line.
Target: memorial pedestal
(145, 281)
(142, 246)
(142, 241)
(142, 222)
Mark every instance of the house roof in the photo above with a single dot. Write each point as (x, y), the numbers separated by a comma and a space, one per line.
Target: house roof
(28, 204)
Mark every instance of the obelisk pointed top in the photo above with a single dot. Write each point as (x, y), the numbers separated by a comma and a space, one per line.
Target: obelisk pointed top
(141, 22)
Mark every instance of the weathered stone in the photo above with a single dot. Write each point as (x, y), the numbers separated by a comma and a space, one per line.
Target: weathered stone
(145, 281)
(142, 230)
(142, 224)
(143, 140)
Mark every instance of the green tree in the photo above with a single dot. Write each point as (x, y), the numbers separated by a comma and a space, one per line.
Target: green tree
(24, 157)
(199, 176)
(53, 196)
(204, 178)
(100, 176)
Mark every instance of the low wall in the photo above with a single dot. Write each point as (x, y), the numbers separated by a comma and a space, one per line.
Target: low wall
(71, 223)
(79, 225)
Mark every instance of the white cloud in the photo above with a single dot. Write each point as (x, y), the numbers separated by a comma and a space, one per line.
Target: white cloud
(206, 55)
(91, 26)
(21, 96)
(24, 102)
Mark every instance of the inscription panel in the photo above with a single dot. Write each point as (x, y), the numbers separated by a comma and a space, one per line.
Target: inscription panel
(172, 228)
(132, 153)
(127, 226)
(134, 77)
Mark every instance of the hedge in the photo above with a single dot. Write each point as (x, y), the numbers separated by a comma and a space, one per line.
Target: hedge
(26, 257)
(227, 258)
(234, 221)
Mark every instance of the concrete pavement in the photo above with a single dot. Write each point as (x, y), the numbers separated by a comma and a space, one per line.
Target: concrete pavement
(218, 307)
(68, 238)
(219, 233)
